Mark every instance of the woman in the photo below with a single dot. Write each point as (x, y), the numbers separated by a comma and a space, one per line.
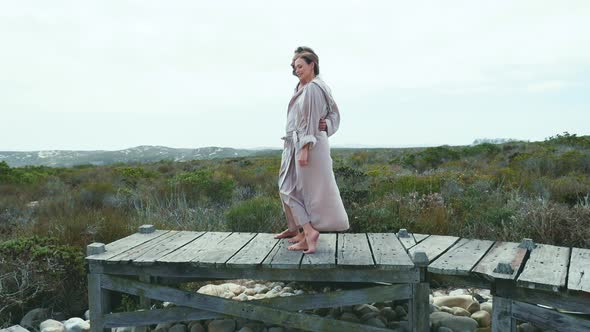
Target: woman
(307, 187)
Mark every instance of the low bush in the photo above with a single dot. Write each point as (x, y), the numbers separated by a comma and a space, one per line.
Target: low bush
(39, 273)
(259, 214)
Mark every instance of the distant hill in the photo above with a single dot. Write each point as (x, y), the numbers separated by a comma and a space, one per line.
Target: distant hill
(140, 154)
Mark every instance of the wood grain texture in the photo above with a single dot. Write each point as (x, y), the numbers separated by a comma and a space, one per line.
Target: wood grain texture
(501, 252)
(188, 252)
(325, 255)
(282, 258)
(354, 250)
(163, 248)
(254, 252)
(461, 258)
(407, 241)
(579, 270)
(126, 243)
(388, 252)
(218, 253)
(434, 245)
(132, 253)
(546, 268)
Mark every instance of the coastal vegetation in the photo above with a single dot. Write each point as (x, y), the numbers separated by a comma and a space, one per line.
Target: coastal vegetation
(509, 191)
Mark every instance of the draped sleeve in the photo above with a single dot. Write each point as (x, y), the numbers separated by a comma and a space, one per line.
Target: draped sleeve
(308, 124)
(333, 119)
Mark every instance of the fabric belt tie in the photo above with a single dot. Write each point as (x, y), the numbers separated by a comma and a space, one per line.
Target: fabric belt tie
(291, 136)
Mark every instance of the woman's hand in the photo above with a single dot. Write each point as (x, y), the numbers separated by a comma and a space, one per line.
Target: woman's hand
(323, 125)
(303, 156)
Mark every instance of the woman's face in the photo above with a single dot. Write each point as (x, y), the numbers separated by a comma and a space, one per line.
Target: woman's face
(304, 70)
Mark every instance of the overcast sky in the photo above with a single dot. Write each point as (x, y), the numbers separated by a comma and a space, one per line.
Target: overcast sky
(113, 74)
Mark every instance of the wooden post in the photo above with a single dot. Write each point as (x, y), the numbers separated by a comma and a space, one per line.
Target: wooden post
(98, 302)
(145, 302)
(502, 320)
(419, 316)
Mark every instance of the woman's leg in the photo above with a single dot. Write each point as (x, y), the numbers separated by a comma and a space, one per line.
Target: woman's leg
(292, 228)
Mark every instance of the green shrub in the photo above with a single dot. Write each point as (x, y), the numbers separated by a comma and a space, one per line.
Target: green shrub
(569, 189)
(259, 214)
(38, 272)
(206, 185)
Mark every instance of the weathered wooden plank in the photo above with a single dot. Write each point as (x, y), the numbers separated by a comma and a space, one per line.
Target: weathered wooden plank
(420, 237)
(460, 258)
(546, 268)
(156, 316)
(579, 271)
(246, 310)
(502, 320)
(126, 243)
(282, 258)
(434, 245)
(254, 252)
(354, 250)
(407, 240)
(562, 300)
(189, 251)
(293, 303)
(166, 247)
(219, 253)
(419, 314)
(549, 318)
(324, 256)
(133, 253)
(388, 252)
(98, 301)
(501, 252)
(186, 273)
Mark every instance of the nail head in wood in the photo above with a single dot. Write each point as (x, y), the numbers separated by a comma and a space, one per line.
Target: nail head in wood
(527, 244)
(403, 233)
(420, 258)
(504, 268)
(146, 229)
(95, 249)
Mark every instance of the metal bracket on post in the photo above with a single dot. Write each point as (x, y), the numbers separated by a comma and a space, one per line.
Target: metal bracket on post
(146, 229)
(403, 233)
(528, 244)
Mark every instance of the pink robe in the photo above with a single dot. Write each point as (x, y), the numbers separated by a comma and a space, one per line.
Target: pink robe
(310, 193)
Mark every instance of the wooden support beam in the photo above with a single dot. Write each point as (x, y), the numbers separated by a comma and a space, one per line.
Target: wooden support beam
(157, 316)
(502, 319)
(548, 318)
(98, 302)
(234, 308)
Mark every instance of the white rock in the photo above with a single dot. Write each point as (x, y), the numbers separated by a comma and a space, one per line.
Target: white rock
(463, 301)
(87, 315)
(250, 291)
(459, 323)
(76, 324)
(487, 306)
(483, 318)
(458, 311)
(51, 325)
(459, 291)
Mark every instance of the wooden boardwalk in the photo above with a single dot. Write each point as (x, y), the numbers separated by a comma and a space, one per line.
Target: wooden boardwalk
(520, 275)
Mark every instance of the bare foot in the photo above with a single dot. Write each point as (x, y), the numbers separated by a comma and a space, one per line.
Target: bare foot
(285, 234)
(297, 238)
(301, 245)
(311, 237)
